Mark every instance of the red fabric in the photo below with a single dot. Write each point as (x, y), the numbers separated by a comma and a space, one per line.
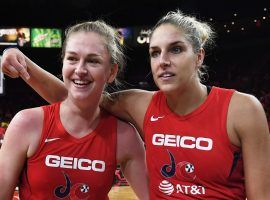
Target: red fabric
(190, 157)
(2, 131)
(70, 168)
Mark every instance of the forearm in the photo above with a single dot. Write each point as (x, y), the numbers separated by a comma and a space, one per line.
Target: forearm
(45, 84)
(7, 180)
(6, 193)
(136, 174)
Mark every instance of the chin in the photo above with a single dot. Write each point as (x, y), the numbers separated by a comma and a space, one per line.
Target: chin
(80, 96)
(166, 87)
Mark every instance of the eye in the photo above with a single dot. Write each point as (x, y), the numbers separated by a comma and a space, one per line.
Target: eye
(71, 58)
(176, 49)
(154, 54)
(93, 61)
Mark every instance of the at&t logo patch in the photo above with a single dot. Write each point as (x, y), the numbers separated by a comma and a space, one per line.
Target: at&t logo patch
(166, 187)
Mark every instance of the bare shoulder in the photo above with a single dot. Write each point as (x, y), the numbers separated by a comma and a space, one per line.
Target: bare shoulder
(25, 128)
(28, 118)
(129, 105)
(138, 94)
(246, 100)
(247, 115)
(136, 102)
(134, 97)
(143, 97)
(243, 104)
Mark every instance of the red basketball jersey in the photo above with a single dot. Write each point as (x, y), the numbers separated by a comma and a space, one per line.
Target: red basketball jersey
(65, 167)
(190, 156)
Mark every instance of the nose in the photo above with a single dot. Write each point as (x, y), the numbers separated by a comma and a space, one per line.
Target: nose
(164, 60)
(80, 69)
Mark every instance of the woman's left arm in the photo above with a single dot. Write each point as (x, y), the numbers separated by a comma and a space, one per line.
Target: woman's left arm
(250, 125)
(131, 157)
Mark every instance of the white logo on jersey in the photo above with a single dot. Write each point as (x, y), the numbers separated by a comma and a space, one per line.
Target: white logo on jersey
(51, 139)
(153, 119)
(190, 189)
(188, 142)
(74, 163)
(168, 188)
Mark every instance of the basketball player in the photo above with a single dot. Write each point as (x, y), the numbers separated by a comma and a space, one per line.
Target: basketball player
(201, 142)
(70, 149)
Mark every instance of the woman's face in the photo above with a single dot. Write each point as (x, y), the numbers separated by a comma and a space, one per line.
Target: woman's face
(87, 65)
(173, 61)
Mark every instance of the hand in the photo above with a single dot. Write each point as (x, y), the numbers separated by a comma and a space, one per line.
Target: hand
(13, 64)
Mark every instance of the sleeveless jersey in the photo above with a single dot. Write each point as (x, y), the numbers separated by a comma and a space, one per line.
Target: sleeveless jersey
(65, 167)
(190, 156)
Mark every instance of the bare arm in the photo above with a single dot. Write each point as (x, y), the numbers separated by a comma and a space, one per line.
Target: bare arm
(129, 105)
(250, 125)
(131, 157)
(14, 64)
(17, 146)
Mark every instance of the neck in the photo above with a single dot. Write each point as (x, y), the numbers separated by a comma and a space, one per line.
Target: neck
(79, 119)
(185, 101)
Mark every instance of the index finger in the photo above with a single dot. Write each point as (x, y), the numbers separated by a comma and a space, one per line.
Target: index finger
(23, 73)
(21, 67)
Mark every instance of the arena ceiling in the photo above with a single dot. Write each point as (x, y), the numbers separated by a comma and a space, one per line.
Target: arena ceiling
(117, 12)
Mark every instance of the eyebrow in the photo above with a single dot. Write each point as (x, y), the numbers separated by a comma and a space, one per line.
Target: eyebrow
(170, 44)
(91, 54)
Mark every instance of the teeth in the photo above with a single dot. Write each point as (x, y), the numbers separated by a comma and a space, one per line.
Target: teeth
(167, 75)
(81, 82)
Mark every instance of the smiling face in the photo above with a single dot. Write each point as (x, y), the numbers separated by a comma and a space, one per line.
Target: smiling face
(173, 62)
(87, 65)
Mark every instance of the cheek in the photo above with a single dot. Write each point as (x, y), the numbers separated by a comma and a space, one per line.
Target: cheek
(187, 62)
(65, 70)
(64, 74)
(154, 65)
(99, 74)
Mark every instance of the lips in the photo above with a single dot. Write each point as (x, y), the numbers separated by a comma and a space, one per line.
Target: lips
(81, 82)
(166, 75)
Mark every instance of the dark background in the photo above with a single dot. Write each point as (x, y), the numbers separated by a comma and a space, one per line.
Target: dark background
(240, 58)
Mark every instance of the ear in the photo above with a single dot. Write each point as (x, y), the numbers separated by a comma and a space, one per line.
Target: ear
(113, 73)
(200, 57)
